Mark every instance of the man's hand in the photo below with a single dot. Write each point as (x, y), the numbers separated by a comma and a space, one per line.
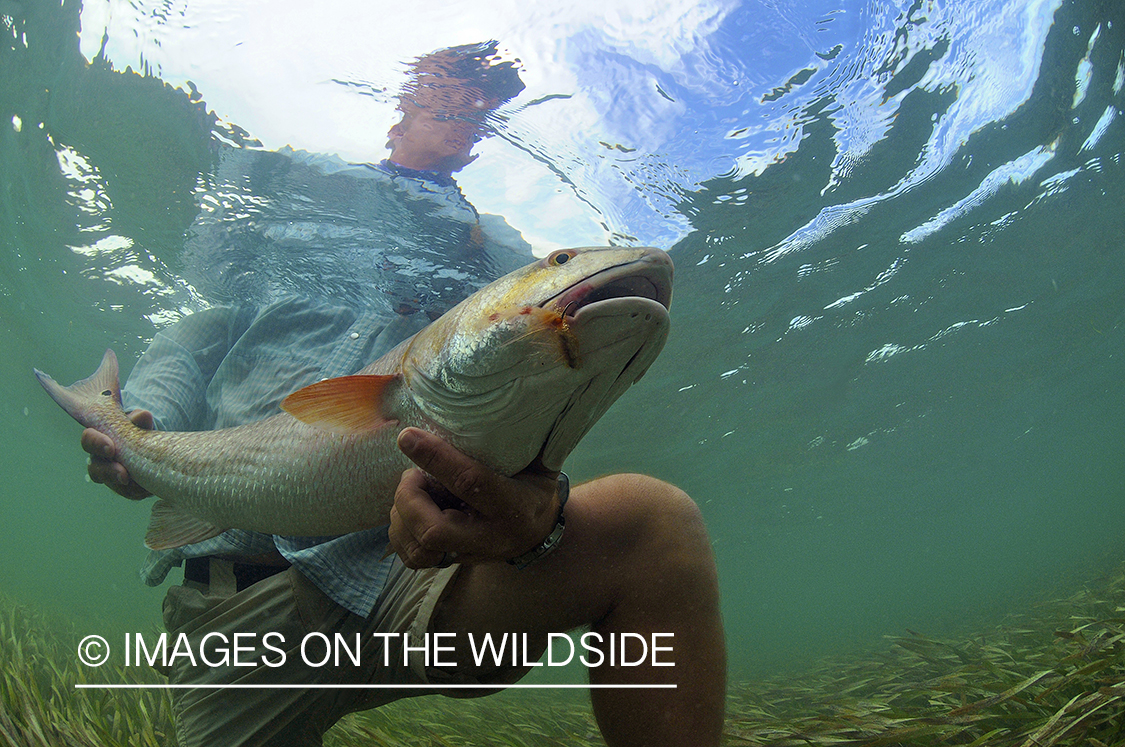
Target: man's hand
(497, 518)
(104, 467)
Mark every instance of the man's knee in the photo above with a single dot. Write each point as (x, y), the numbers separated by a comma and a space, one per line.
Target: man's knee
(648, 498)
(661, 558)
(656, 518)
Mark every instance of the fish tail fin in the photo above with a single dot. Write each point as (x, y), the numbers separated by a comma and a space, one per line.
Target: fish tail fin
(80, 398)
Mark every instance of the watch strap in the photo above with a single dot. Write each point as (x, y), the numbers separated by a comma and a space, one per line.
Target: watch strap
(547, 546)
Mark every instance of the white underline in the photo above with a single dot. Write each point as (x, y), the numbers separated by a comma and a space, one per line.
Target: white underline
(108, 686)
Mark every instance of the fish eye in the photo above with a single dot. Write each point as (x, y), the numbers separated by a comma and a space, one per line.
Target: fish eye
(560, 257)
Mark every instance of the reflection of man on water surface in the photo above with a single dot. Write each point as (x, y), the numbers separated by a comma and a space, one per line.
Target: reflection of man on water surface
(634, 557)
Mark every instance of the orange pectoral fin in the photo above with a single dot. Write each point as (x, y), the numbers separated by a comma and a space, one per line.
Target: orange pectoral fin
(344, 405)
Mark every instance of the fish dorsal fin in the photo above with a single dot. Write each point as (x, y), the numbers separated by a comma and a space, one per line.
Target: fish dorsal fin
(344, 405)
(170, 527)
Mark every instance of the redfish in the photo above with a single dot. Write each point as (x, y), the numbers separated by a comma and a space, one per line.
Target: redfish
(521, 369)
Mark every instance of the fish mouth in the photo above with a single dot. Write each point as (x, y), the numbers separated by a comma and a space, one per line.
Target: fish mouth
(649, 277)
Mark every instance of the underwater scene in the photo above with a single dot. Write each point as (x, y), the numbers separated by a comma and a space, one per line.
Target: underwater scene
(894, 381)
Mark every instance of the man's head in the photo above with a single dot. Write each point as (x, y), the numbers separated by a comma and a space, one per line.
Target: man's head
(446, 104)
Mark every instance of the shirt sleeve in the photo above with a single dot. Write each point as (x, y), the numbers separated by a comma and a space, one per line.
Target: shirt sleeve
(172, 377)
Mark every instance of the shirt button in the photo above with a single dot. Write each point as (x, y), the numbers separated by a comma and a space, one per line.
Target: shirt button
(354, 335)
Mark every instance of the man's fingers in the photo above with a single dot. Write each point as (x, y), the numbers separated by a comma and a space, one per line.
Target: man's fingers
(463, 476)
(104, 468)
(108, 473)
(142, 419)
(501, 517)
(403, 543)
(97, 444)
(419, 528)
(115, 477)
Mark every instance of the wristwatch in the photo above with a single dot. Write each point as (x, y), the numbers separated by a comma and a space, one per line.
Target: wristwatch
(547, 546)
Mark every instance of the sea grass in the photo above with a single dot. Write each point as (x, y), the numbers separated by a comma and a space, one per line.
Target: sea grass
(1051, 676)
(1054, 675)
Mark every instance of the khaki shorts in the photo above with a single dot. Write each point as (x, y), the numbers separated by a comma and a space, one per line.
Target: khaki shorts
(289, 606)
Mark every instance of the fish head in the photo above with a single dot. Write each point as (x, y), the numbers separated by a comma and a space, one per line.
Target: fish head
(525, 367)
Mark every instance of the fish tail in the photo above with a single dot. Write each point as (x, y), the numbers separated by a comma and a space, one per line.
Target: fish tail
(83, 399)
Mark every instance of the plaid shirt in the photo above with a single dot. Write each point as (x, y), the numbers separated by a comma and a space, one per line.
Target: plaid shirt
(230, 365)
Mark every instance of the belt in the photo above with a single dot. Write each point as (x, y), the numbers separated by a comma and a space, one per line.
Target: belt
(246, 575)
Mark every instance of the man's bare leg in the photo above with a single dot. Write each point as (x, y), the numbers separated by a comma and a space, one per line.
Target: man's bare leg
(635, 558)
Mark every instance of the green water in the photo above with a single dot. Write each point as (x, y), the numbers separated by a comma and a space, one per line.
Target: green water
(883, 434)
